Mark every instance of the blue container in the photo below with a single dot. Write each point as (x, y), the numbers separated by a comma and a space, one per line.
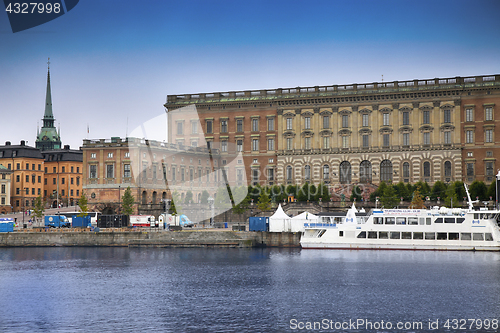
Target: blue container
(258, 223)
(6, 226)
(80, 222)
(225, 225)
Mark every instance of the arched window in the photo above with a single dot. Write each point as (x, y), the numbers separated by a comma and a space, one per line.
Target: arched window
(307, 172)
(386, 171)
(144, 197)
(406, 170)
(447, 169)
(289, 172)
(345, 172)
(365, 172)
(154, 197)
(427, 169)
(326, 172)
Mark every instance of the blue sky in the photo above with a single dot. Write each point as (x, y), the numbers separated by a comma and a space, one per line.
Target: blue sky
(114, 62)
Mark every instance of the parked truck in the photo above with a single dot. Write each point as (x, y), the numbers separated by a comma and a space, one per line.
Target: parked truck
(175, 221)
(57, 221)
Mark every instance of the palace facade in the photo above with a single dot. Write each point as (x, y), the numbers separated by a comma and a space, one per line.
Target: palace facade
(442, 129)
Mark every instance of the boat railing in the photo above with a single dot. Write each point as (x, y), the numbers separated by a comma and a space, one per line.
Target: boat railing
(320, 225)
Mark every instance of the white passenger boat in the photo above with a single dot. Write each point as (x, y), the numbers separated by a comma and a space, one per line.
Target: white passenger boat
(408, 229)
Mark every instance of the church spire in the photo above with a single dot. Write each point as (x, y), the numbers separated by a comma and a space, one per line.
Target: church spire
(48, 97)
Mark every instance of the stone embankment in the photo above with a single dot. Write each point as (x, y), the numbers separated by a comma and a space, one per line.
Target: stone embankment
(120, 237)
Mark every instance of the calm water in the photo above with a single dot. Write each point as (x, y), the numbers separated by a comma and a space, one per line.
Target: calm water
(242, 290)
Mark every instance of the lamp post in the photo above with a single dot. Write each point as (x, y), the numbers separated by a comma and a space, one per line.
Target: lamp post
(211, 207)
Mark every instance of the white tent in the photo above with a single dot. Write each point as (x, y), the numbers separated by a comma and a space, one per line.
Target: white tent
(279, 221)
(299, 220)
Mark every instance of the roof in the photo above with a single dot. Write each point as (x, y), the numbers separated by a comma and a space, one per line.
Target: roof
(63, 155)
(16, 151)
(279, 214)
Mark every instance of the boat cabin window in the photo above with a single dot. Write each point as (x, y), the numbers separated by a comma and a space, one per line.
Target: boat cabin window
(449, 220)
(428, 221)
(453, 236)
(325, 219)
(395, 235)
(477, 236)
(465, 236)
(418, 235)
(383, 235)
(341, 234)
(414, 221)
(400, 220)
(406, 235)
(421, 221)
(460, 220)
(362, 234)
(442, 235)
(488, 237)
(476, 216)
(430, 235)
(337, 219)
(372, 234)
(390, 220)
(438, 220)
(378, 220)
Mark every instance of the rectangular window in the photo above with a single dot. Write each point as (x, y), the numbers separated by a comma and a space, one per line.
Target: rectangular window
(488, 113)
(154, 168)
(427, 138)
(270, 144)
(345, 142)
(366, 120)
(255, 125)
(71, 192)
(469, 136)
(469, 115)
(92, 155)
(72, 180)
(447, 116)
(489, 168)
(239, 125)
(77, 181)
(289, 143)
(406, 118)
(54, 170)
(470, 169)
(223, 126)
(289, 123)
(92, 171)
(366, 142)
(386, 119)
(255, 144)
(270, 124)
(210, 128)
(427, 117)
(447, 138)
(173, 173)
(488, 136)
(27, 166)
(326, 121)
(385, 140)
(223, 146)
(307, 122)
(194, 127)
(270, 174)
(406, 139)
(3, 188)
(180, 128)
(62, 181)
(110, 170)
(307, 143)
(110, 155)
(326, 142)
(54, 180)
(345, 121)
(239, 145)
(33, 191)
(182, 174)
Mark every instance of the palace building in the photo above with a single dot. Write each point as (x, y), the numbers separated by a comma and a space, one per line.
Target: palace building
(442, 129)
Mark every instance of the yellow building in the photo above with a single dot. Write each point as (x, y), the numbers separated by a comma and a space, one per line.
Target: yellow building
(5, 182)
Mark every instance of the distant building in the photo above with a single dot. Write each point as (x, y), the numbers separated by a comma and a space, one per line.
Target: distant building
(63, 170)
(5, 184)
(48, 138)
(26, 164)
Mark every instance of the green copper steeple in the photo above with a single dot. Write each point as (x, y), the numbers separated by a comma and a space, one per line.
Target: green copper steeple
(47, 137)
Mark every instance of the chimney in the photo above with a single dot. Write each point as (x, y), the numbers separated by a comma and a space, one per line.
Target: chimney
(66, 147)
(23, 143)
(7, 143)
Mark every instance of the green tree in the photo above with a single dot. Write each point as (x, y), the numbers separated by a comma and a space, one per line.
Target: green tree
(291, 190)
(241, 200)
(189, 197)
(402, 191)
(378, 192)
(356, 194)
(83, 204)
(222, 199)
(425, 189)
(451, 199)
(417, 202)
(478, 189)
(389, 198)
(323, 192)
(438, 190)
(264, 202)
(38, 209)
(128, 202)
(304, 193)
(204, 197)
(460, 190)
(492, 190)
